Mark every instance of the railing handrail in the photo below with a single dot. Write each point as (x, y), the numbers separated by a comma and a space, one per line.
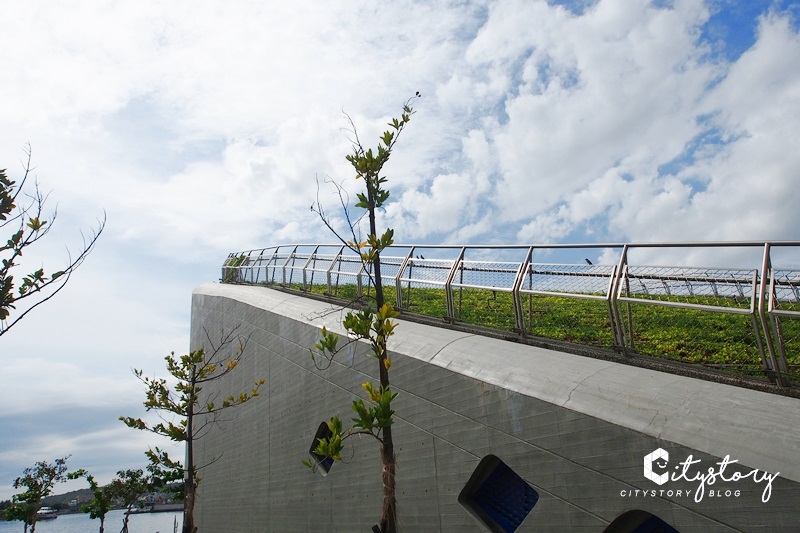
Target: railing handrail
(756, 282)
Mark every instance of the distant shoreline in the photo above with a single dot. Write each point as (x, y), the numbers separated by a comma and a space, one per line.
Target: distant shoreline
(159, 508)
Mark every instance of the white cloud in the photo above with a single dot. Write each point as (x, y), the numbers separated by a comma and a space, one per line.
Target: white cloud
(547, 227)
(200, 129)
(102, 451)
(60, 383)
(752, 183)
(620, 85)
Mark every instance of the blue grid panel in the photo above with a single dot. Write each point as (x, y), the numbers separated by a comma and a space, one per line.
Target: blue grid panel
(505, 497)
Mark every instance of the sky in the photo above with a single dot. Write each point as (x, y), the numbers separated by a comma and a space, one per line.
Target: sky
(203, 128)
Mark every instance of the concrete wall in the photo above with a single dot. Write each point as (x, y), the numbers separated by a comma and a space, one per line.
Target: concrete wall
(575, 428)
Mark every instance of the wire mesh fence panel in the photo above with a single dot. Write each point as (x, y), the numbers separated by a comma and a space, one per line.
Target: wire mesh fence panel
(293, 270)
(719, 340)
(486, 275)
(262, 269)
(422, 283)
(568, 319)
(344, 276)
(695, 315)
(251, 268)
(568, 302)
(718, 317)
(788, 332)
(309, 272)
(715, 287)
(390, 265)
(485, 308)
(785, 317)
(424, 299)
(588, 280)
(787, 289)
(315, 272)
(390, 269)
(482, 294)
(231, 272)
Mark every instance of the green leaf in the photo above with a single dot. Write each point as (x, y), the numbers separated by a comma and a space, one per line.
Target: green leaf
(35, 224)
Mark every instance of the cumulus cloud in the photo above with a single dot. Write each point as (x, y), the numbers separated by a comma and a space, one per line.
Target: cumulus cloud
(203, 130)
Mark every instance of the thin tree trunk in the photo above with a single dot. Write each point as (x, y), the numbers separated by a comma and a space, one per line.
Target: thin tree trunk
(125, 520)
(379, 301)
(188, 508)
(388, 523)
(376, 264)
(189, 482)
(389, 510)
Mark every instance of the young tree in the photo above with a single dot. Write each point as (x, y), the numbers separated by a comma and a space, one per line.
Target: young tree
(128, 487)
(374, 326)
(166, 475)
(103, 499)
(22, 225)
(38, 483)
(21, 511)
(192, 413)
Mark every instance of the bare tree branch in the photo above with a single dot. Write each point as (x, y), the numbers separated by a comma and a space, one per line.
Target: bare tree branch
(27, 228)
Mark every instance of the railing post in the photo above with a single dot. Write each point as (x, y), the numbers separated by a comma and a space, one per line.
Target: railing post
(448, 286)
(257, 266)
(359, 282)
(775, 321)
(398, 289)
(518, 279)
(272, 260)
(289, 257)
(311, 257)
(611, 304)
(773, 373)
(225, 266)
(755, 319)
(337, 257)
(616, 320)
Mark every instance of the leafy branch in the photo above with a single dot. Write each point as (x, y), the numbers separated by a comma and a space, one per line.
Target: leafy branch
(375, 416)
(368, 166)
(27, 224)
(192, 413)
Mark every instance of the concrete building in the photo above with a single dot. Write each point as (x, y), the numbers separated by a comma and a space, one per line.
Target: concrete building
(593, 438)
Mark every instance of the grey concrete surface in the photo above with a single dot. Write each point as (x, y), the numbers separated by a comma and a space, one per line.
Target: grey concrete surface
(575, 428)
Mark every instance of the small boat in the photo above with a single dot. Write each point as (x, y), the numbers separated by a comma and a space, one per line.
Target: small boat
(46, 513)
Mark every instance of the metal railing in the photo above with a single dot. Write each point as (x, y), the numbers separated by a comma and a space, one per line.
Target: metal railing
(742, 318)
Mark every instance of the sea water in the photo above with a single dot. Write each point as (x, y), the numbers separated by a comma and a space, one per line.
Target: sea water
(81, 523)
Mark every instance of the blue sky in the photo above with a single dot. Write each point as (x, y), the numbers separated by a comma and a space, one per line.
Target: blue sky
(200, 130)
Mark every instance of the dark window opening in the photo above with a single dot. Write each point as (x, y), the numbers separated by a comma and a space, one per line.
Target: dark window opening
(638, 521)
(497, 496)
(324, 464)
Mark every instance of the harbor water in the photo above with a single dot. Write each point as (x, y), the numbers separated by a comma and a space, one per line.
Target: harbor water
(81, 523)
